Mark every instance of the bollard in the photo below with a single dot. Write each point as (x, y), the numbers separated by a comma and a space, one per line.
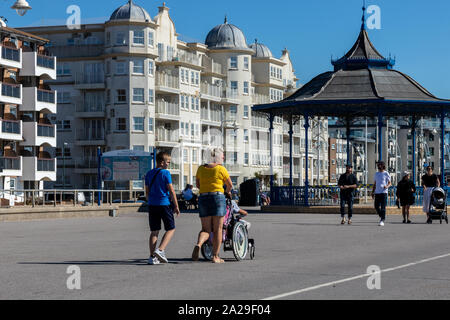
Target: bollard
(32, 199)
(54, 198)
(113, 213)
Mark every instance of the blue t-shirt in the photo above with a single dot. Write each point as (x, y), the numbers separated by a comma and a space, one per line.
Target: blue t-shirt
(159, 193)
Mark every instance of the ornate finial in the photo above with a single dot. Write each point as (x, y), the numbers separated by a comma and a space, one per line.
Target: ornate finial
(363, 25)
(256, 40)
(226, 19)
(164, 4)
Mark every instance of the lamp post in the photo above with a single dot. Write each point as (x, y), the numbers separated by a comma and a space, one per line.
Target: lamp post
(21, 7)
(64, 163)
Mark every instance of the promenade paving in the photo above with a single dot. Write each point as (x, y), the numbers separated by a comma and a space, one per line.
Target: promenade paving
(293, 252)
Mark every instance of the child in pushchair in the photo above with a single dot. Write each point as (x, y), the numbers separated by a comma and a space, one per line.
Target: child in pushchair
(235, 234)
(438, 205)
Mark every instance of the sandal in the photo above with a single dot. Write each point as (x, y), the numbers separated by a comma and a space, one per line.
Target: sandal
(218, 260)
(196, 253)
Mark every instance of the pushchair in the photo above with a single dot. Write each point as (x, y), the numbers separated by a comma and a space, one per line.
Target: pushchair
(235, 238)
(438, 205)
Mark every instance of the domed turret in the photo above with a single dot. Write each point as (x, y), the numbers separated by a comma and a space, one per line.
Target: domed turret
(131, 11)
(226, 36)
(261, 51)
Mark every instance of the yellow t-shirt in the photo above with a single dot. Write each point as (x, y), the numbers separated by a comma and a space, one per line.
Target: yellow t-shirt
(212, 179)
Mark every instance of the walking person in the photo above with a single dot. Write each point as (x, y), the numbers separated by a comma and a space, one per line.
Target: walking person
(405, 194)
(211, 178)
(380, 191)
(348, 184)
(160, 194)
(429, 182)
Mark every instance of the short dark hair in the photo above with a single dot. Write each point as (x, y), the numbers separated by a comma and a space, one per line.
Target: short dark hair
(349, 166)
(382, 164)
(162, 156)
(430, 168)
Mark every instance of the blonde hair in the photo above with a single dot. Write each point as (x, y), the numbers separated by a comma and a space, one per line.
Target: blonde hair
(214, 155)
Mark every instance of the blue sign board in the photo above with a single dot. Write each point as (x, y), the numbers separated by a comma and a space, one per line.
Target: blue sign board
(125, 165)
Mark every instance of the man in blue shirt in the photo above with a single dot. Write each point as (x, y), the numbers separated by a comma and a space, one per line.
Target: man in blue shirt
(160, 194)
(380, 191)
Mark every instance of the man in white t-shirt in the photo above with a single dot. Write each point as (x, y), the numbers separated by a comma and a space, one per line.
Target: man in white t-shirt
(380, 191)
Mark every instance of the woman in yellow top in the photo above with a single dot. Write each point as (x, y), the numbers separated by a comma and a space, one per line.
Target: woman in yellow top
(212, 202)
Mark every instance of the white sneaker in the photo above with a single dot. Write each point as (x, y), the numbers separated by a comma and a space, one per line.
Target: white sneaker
(152, 261)
(161, 256)
(381, 223)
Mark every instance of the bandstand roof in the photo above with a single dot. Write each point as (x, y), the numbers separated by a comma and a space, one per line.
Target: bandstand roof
(363, 83)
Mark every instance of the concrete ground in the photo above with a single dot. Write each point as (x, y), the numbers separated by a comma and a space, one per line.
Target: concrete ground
(297, 257)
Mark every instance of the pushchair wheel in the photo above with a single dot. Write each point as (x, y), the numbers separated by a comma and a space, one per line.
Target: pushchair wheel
(207, 250)
(251, 248)
(446, 219)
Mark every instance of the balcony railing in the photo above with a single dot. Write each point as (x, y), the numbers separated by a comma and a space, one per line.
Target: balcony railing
(46, 96)
(11, 90)
(167, 80)
(89, 78)
(46, 165)
(167, 108)
(83, 107)
(211, 90)
(230, 93)
(164, 135)
(89, 135)
(11, 54)
(187, 58)
(260, 98)
(7, 163)
(10, 126)
(211, 66)
(45, 61)
(46, 130)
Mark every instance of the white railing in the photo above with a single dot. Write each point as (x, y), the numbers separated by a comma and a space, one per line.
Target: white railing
(165, 135)
(260, 99)
(167, 108)
(166, 80)
(211, 90)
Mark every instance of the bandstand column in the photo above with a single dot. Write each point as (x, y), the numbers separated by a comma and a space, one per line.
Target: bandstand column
(380, 136)
(306, 126)
(349, 161)
(413, 137)
(271, 150)
(443, 182)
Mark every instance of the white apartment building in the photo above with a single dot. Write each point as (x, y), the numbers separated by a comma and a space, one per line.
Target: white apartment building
(27, 137)
(131, 83)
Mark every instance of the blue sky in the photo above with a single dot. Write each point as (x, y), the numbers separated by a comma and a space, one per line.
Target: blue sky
(416, 32)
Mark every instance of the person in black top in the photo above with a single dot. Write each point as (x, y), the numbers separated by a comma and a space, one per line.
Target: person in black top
(347, 183)
(405, 193)
(429, 182)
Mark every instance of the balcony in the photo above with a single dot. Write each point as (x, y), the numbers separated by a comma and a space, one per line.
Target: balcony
(10, 130)
(89, 81)
(38, 65)
(212, 67)
(35, 99)
(90, 138)
(36, 134)
(167, 110)
(11, 166)
(230, 96)
(87, 166)
(167, 138)
(260, 99)
(38, 169)
(211, 92)
(233, 168)
(10, 93)
(167, 83)
(11, 57)
(84, 111)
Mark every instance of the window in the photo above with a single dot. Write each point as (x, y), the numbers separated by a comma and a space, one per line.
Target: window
(121, 124)
(151, 96)
(431, 137)
(192, 130)
(246, 159)
(108, 67)
(138, 67)
(192, 103)
(138, 37)
(246, 139)
(121, 67)
(431, 151)
(121, 96)
(182, 105)
(63, 69)
(246, 111)
(108, 95)
(234, 86)
(151, 68)
(150, 124)
(108, 38)
(233, 63)
(246, 87)
(138, 95)
(192, 77)
(185, 156)
(197, 104)
(63, 97)
(197, 78)
(194, 156)
(246, 63)
(233, 112)
(183, 80)
(138, 124)
(138, 148)
(151, 39)
(120, 39)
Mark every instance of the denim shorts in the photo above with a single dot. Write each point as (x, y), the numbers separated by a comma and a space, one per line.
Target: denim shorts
(158, 213)
(212, 205)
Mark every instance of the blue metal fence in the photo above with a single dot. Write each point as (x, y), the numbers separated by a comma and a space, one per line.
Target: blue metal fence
(330, 196)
